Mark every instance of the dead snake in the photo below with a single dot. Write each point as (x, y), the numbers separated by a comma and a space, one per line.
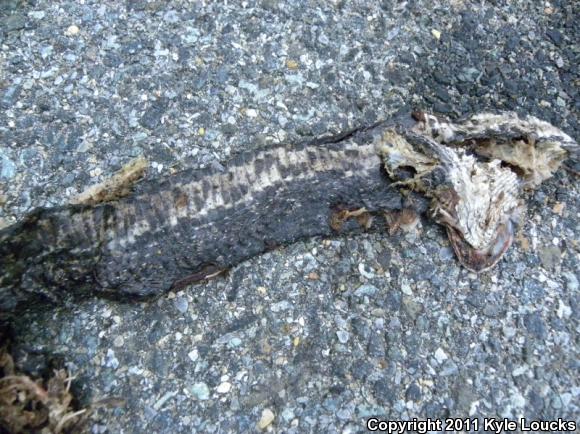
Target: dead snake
(169, 232)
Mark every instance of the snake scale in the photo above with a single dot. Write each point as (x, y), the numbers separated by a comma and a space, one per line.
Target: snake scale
(169, 232)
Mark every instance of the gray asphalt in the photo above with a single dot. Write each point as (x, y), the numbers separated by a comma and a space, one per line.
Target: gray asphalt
(320, 335)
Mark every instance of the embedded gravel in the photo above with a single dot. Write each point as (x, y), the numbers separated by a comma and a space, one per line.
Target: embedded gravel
(320, 335)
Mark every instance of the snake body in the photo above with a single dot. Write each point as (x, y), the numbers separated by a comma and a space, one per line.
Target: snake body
(182, 228)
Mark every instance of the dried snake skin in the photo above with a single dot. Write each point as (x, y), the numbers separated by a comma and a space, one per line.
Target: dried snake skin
(185, 227)
(181, 228)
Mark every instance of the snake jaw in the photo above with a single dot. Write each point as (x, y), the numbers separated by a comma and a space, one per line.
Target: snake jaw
(497, 226)
(482, 259)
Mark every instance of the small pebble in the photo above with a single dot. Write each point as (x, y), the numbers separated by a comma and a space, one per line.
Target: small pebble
(193, 355)
(166, 397)
(571, 281)
(8, 168)
(313, 276)
(292, 64)
(234, 342)
(366, 290)
(364, 272)
(266, 419)
(342, 336)
(224, 387)
(72, 30)
(181, 304)
(440, 355)
(37, 15)
(110, 360)
(200, 391)
(406, 289)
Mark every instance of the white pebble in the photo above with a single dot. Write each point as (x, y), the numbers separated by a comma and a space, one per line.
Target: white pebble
(564, 311)
(266, 419)
(440, 355)
(406, 288)
(193, 355)
(224, 387)
(72, 30)
(37, 15)
(364, 272)
(342, 336)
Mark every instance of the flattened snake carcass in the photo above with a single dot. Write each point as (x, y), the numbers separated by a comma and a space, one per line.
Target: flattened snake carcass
(169, 232)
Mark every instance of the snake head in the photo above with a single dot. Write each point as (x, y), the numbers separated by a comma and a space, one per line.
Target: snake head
(478, 243)
(480, 208)
(476, 201)
(482, 259)
(474, 171)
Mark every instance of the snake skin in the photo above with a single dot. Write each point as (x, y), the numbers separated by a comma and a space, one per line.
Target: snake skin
(179, 229)
(185, 227)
